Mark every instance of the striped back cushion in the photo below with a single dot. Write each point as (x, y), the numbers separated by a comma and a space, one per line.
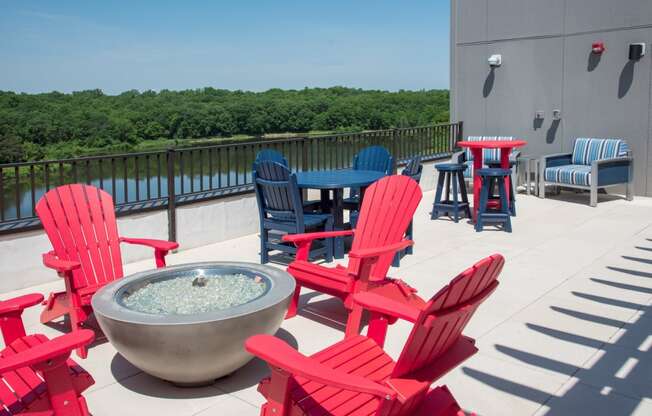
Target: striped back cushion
(489, 155)
(587, 150)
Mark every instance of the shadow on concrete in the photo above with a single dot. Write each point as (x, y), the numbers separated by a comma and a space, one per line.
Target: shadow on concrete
(625, 286)
(630, 271)
(606, 370)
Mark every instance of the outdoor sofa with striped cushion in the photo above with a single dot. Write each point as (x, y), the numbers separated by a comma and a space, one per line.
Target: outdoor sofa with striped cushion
(593, 164)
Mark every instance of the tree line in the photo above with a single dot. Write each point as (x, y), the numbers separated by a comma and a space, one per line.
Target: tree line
(57, 125)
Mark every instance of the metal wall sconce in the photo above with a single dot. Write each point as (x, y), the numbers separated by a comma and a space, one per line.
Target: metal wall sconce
(495, 60)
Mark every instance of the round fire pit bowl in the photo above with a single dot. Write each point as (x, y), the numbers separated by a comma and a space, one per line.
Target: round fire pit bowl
(184, 347)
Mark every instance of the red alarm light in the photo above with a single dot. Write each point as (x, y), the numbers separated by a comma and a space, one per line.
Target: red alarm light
(598, 48)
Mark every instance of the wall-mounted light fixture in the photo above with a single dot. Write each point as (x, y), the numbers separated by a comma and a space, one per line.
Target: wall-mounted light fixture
(636, 51)
(495, 60)
(598, 48)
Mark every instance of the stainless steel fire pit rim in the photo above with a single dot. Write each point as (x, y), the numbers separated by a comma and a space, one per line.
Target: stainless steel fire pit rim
(281, 286)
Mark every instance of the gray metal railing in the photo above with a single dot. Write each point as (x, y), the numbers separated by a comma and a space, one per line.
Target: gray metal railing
(165, 179)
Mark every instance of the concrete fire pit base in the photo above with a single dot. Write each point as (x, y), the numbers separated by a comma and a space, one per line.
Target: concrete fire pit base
(193, 349)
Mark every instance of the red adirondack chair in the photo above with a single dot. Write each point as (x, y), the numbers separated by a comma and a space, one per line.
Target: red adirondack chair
(37, 377)
(80, 223)
(387, 209)
(356, 377)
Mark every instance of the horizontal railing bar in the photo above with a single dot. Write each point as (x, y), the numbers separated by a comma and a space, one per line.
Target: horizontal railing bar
(307, 152)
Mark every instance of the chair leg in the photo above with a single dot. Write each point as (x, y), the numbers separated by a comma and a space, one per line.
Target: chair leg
(440, 187)
(484, 197)
(594, 196)
(377, 329)
(264, 238)
(63, 398)
(542, 179)
(294, 303)
(410, 236)
(456, 204)
(465, 196)
(353, 322)
(504, 208)
(512, 198)
(329, 241)
(77, 318)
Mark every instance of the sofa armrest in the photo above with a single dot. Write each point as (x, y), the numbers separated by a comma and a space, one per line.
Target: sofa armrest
(622, 161)
(558, 159)
(613, 171)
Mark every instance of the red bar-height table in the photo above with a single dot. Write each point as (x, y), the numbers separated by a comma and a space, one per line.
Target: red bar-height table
(477, 148)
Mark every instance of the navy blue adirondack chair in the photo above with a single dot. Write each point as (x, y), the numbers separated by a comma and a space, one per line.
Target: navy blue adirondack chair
(374, 158)
(276, 156)
(272, 156)
(281, 211)
(413, 169)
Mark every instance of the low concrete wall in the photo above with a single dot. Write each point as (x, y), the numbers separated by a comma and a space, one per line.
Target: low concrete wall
(197, 225)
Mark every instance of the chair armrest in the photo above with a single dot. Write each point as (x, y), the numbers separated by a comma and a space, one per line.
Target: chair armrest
(557, 159)
(161, 245)
(57, 347)
(386, 306)
(61, 266)
(458, 157)
(298, 238)
(379, 251)
(279, 354)
(20, 303)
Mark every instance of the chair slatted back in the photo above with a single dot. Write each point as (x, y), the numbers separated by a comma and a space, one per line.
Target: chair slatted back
(270, 155)
(375, 158)
(277, 191)
(443, 319)
(413, 169)
(79, 221)
(387, 209)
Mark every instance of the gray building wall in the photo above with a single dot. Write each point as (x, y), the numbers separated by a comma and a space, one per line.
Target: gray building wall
(548, 65)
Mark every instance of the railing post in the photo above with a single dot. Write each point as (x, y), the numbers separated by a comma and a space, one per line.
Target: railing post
(172, 212)
(395, 149)
(460, 134)
(304, 154)
(304, 164)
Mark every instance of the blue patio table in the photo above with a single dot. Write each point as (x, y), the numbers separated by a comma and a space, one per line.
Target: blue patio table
(337, 181)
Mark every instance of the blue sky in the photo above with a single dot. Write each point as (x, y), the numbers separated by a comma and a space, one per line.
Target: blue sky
(237, 44)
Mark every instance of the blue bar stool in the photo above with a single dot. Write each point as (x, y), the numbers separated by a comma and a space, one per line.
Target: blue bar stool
(451, 172)
(512, 197)
(493, 209)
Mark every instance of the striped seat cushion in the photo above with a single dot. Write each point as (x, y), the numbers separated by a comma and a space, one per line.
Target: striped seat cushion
(588, 150)
(488, 155)
(569, 174)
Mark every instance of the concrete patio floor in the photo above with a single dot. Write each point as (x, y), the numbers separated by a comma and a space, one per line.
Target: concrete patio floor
(568, 332)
